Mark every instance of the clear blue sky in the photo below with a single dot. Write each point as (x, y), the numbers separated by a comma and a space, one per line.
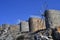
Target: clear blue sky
(13, 10)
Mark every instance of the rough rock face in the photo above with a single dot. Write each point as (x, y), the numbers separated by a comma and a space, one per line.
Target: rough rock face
(58, 29)
(56, 33)
(46, 34)
(40, 35)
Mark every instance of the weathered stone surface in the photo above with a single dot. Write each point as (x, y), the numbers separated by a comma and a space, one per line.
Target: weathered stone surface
(58, 29)
(56, 33)
(36, 24)
(24, 26)
(52, 18)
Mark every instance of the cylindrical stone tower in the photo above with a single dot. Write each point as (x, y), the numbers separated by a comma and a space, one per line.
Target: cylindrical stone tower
(36, 24)
(24, 26)
(52, 18)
